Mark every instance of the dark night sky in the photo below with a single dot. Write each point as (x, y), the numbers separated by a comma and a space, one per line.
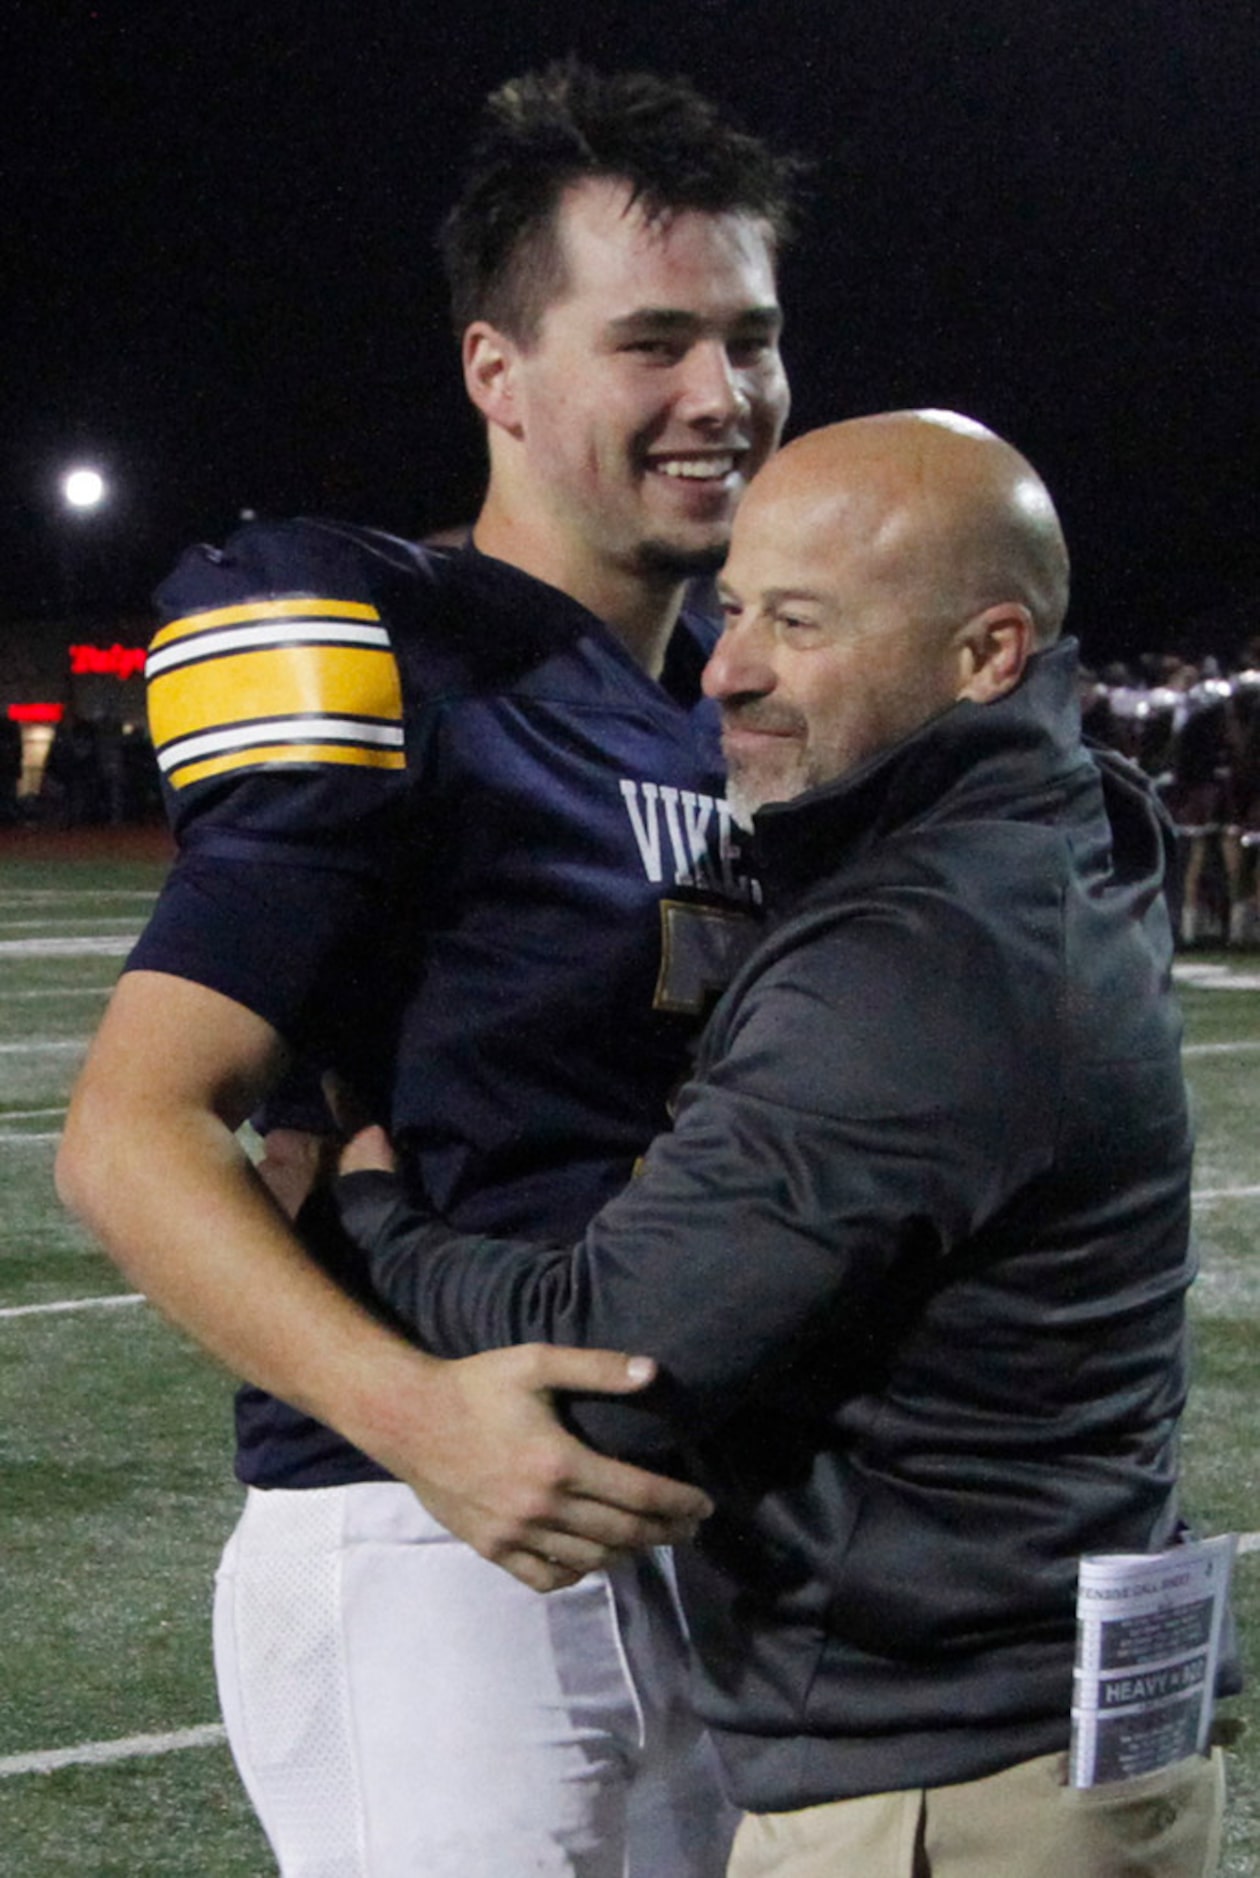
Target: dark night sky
(218, 274)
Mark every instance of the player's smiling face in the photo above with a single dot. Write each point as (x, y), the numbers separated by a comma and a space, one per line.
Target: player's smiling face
(654, 389)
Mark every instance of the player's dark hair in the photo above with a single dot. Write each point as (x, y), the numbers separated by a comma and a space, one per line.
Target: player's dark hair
(547, 130)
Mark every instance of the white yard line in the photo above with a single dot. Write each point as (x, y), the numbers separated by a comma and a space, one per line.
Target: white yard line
(1207, 1194)
(58, 991)
(101, 1753)
(35, 1046)
(16, 1136)
(73, 1304)
(40, 896)
(1238, 1048)
(1209, 977)
(125, 920)
(99, 946)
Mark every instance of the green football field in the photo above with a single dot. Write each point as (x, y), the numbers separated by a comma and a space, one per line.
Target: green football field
(115, 1474)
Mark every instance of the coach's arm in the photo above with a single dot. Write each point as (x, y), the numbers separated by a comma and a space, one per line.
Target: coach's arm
(821, 1160)
(150, 1162)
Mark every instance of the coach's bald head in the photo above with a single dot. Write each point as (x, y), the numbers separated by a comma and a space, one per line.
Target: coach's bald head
(880, 571)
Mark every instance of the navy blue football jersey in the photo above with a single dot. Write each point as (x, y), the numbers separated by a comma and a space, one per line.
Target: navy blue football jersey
(438, 828)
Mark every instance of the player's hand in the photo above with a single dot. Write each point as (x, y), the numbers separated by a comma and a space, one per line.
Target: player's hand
(293, 1164)
(368, 1151)
(502, 1473)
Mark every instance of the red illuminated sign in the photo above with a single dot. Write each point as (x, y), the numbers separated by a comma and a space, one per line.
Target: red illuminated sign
(106, 661)
(37, 713)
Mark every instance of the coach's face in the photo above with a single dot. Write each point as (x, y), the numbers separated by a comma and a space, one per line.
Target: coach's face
(848, 617)
(817, 669)
(654, 389)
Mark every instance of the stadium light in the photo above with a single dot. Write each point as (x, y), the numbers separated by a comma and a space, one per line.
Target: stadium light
(83, 489)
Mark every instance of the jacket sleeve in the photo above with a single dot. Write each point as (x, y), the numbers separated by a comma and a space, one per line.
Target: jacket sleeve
(830, 1154)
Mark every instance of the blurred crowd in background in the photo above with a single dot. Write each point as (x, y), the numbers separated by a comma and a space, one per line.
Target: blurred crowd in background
(93, 772)
(1195, 728)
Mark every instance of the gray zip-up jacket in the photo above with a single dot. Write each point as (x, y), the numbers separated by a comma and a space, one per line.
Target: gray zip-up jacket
(913, 1259)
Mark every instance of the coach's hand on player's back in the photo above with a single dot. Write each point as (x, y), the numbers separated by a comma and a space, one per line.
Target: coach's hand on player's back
(494, 1464)
(293, 1163)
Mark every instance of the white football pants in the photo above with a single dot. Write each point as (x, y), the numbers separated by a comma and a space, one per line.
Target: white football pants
(399, 1708)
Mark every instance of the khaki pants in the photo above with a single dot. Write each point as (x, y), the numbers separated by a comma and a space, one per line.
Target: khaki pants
(1021, 1823)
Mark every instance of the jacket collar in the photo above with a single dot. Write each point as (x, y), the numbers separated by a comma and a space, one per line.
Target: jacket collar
(1004, 756)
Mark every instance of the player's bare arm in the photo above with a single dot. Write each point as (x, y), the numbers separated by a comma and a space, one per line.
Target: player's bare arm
(151, 1163)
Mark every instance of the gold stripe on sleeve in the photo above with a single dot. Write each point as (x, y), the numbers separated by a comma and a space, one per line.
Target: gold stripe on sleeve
(278, 681)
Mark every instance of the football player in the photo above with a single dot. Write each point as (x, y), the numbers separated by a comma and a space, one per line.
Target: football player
(453, 824)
